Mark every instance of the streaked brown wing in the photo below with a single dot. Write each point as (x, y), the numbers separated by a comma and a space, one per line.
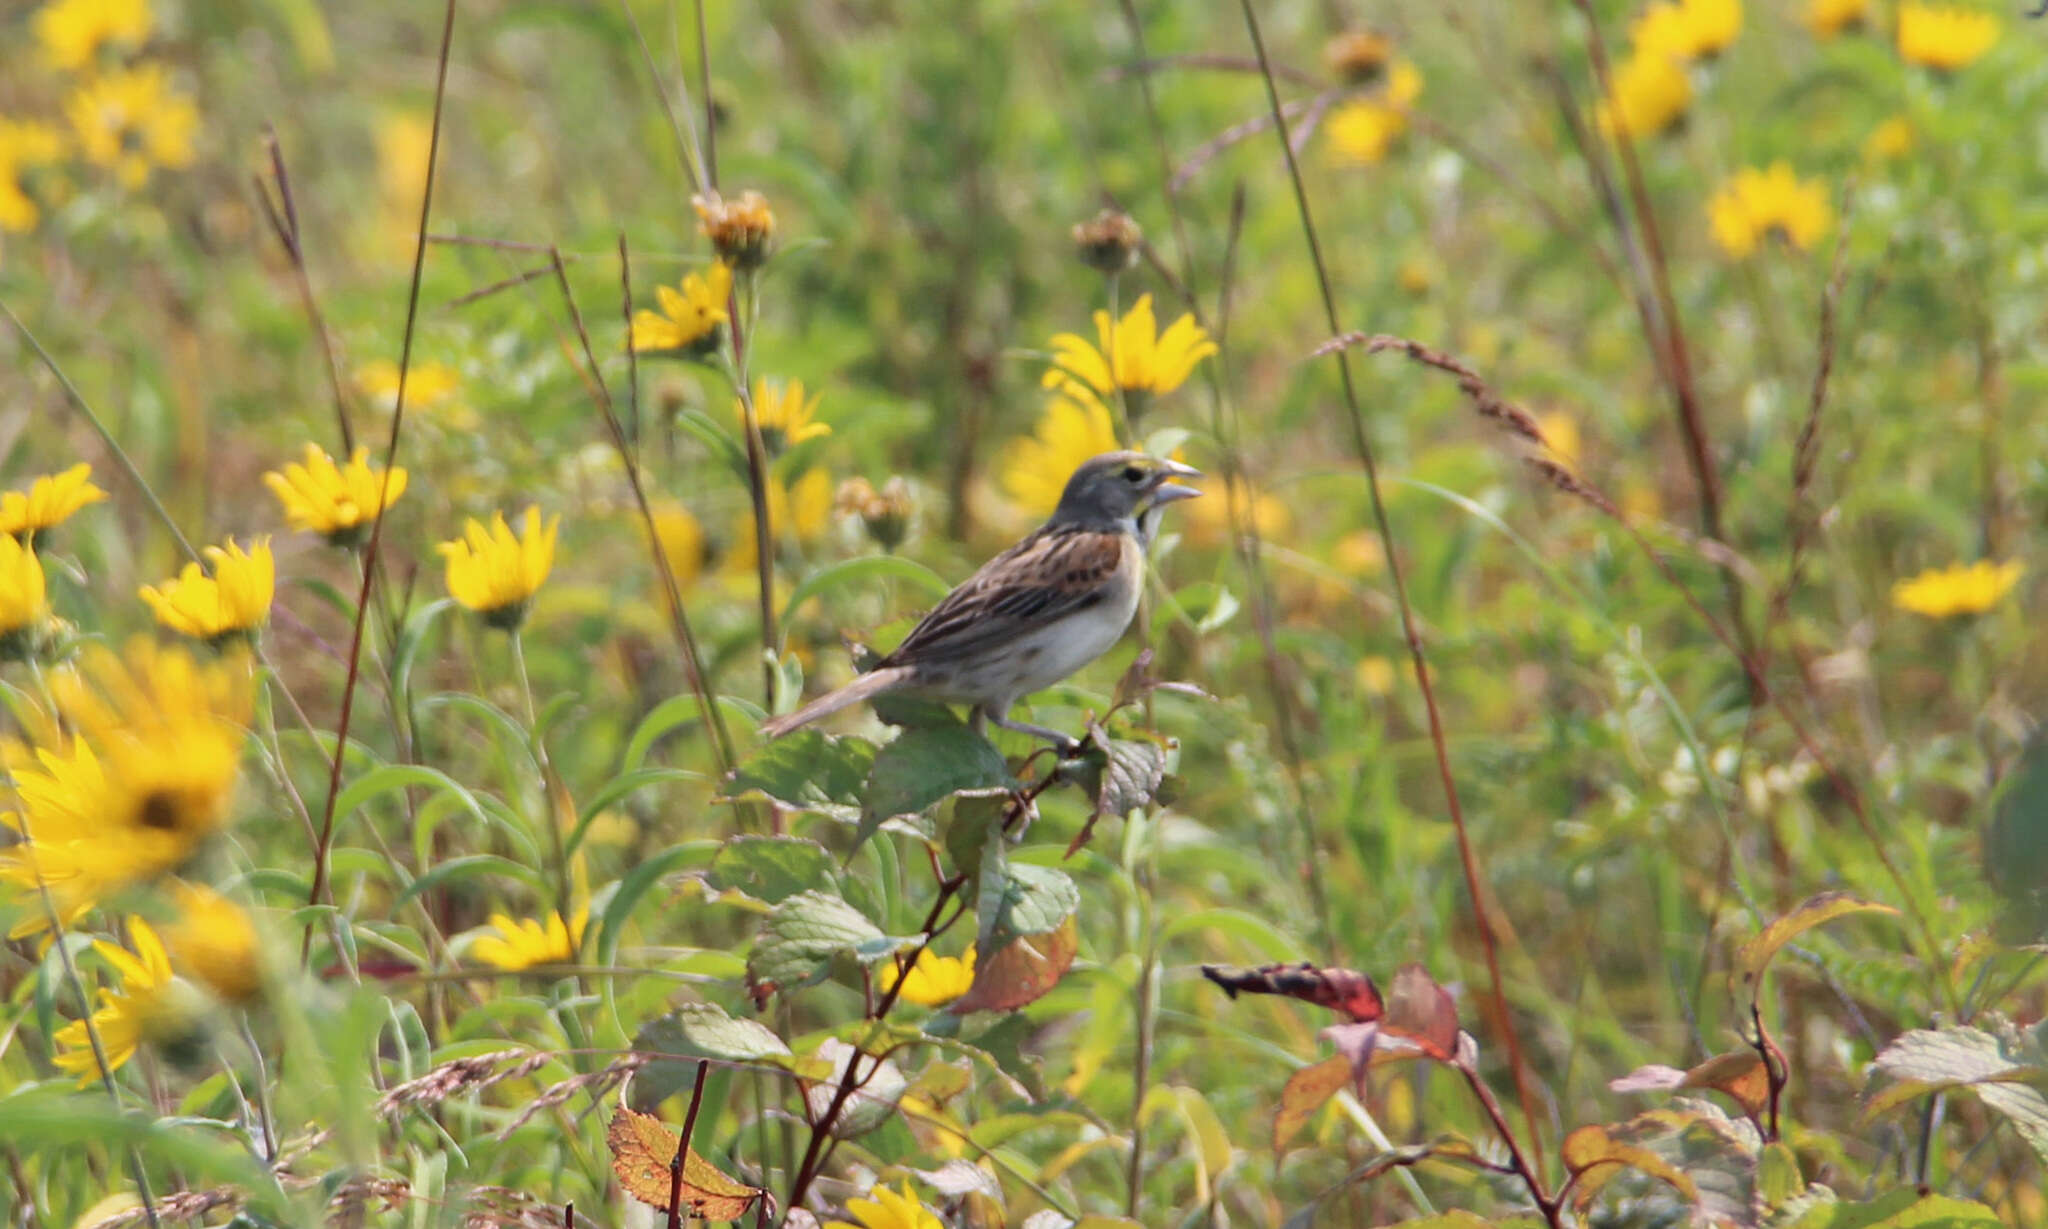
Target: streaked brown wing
(1043, 579)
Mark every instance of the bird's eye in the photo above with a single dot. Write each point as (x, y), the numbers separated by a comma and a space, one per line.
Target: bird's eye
(1133, 474)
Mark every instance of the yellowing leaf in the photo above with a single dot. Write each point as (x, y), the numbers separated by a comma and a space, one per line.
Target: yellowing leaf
(1591, 1148)
(1021, 972)
(1757, 953)
(643, 1149)
(1305, 1092)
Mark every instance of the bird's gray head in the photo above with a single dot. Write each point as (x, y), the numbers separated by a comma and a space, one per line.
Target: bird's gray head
(1122, 486)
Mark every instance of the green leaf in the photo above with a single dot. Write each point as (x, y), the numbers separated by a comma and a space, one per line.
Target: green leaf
(701, 1030)
(388, 778)
(1130, 775)
(926, 764)
(1904, 1208)
(867, 567)
(1927, 1060)
(637, 883)
(805, 932)
(715, 437)
(808, 770)
(1018, 900)
(772, 869)
(2016, 843)
(670, 715)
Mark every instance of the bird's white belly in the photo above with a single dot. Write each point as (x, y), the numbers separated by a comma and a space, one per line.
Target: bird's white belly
(1045, 657)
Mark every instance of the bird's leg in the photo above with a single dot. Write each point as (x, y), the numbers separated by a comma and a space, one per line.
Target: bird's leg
(1068, 747)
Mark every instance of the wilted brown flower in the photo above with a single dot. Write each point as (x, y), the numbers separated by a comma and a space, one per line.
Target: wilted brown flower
(885, 514)
(1109, 242)
(1356, 57)
(739, 228)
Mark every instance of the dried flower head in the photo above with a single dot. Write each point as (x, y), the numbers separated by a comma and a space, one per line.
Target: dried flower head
(1357, 57)
(740, 229)
(1109, 242)
(885, 514)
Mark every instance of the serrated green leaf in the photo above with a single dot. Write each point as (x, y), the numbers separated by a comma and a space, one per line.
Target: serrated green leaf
(805, 932)
(1015, 900)
(1904, 1208)
(924, 765)
(696, 1029)
(772, 869)
(808, 770)
(1927, 1060)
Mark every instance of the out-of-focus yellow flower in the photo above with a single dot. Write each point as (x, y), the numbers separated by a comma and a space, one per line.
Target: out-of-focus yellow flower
(428, 386)
(1686, 29)
(1376, 676)
(525, 942)
(337, 501)
(785, 417)
(132, 122)
(24, 596)
(234, 601)
(125, 1017)
(1359, 553)
(25, 146)
(888, 1209)
(403, 141)
(1035, 469)
(1890, 140)
(49, 502)
(933, 980)
(146, 772)
(214, 943)
(1944, 37)
(1942, 593)
(496, 573)
(1756, 204)
(681, 537)
(1132, 356)
(72, 32)
(1356, 57)
(1561, 431)
(1827, 18)
(688, 321)
(739, 229)
(1211, 527)
(1364, 129)
(801, 510)
(1646, 95)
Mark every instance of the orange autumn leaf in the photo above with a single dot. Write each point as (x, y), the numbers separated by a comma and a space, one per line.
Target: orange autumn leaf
(643, 1148)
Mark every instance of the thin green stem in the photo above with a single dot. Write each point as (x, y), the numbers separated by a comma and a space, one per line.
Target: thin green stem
(1468, 860)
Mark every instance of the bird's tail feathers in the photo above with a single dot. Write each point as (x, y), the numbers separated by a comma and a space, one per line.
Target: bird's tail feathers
(866, 687)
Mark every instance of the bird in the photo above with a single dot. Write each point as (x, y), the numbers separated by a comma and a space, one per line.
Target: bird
(1034, 614)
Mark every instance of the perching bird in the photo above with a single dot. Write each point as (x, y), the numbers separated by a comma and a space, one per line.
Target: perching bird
(1035, 613)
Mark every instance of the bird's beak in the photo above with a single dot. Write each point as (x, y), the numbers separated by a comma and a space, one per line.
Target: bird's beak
(1169, 492)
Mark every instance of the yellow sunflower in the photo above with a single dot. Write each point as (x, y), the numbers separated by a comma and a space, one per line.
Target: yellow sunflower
(140, 771)
(1131, 355)
(25, 146)
(739, 229)
(72, 32)
(1686, 29)
(887, 1209)
(786, 418)
(233, 601)
(131, 122)
(214, 942)
(1646, 95)
(126, 1017)
(1363, 130)
(1944, 37)
(24, 596)
(336, 501)
(495, 572)
(688, 321)
(49, 502)
(933, 980)
(1035, 469)
(1757, 204)
(1827, 18)
(1943, 593)
(526, 942)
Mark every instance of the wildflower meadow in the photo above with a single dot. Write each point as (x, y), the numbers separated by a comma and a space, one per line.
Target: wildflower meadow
(954, 613)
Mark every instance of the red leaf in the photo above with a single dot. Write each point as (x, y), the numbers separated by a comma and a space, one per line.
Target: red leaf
(1351, 994)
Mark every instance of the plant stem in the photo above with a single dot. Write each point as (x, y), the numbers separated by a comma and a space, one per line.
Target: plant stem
(1468, 861)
